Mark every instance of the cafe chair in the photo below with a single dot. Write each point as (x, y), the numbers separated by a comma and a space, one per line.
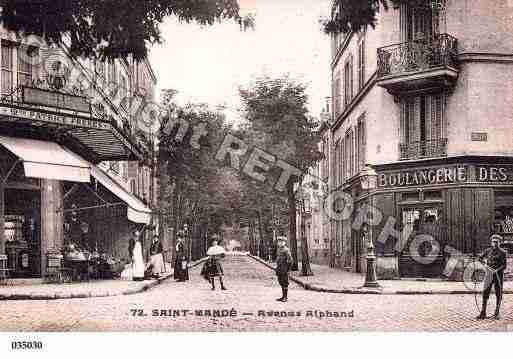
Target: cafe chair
(4, 271)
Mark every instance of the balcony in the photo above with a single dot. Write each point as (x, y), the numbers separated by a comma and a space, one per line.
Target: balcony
(423, 149)
(40, 113)
(418, 65)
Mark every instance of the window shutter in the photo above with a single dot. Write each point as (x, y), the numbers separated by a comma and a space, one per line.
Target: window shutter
(351, 83)
(416, 119)
(356, 148)
(336, 163)
(343, 149)
(361, 64)
(429, 120)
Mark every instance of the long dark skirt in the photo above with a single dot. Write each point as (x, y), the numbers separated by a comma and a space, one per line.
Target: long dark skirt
(179, 272)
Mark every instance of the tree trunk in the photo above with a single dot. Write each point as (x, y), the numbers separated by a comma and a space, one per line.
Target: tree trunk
(306, 270)
(291, 198)
(263, 247)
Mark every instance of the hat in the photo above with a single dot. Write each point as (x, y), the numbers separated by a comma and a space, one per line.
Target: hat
(281, 239)
(496, 238)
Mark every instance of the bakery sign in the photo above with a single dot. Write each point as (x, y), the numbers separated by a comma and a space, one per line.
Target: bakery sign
(420, 177)
(494, 173)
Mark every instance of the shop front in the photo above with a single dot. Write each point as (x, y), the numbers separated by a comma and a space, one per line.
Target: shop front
(442, 214)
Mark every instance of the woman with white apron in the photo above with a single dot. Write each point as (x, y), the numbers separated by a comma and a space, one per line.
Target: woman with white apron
(137, 258)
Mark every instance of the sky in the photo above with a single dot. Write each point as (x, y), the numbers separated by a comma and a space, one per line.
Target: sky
(209, 64)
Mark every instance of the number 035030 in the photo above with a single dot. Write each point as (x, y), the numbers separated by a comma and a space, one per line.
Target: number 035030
(26, 345)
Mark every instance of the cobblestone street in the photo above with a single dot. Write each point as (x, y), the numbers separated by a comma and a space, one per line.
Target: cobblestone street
(251, 288)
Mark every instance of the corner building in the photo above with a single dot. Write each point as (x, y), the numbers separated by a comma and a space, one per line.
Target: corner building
(72, 162)
(424, 99)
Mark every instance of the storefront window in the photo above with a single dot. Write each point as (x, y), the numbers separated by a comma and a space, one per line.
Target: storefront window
(503, 218)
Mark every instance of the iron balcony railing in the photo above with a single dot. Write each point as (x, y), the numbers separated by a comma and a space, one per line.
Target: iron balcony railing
(418, 55)
(423, 149)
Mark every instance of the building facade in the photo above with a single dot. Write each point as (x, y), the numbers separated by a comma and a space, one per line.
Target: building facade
(74, 168)
(424, 98)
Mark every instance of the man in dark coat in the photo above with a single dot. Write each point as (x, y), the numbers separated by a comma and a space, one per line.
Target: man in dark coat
(494, 259)
(283, 263)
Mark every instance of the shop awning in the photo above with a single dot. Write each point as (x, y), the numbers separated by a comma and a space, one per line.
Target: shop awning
(43, 159)
(137, 211)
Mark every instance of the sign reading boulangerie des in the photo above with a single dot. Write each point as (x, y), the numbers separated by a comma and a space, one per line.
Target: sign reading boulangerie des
(441, 175)
(424, 176)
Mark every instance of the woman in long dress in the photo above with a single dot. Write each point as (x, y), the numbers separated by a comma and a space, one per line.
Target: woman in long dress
(213, 267)
(137, 258)
(181, 272)
(156, 259)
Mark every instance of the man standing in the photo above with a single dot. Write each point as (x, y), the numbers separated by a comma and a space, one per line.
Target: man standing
(283, 263)
(494, 259)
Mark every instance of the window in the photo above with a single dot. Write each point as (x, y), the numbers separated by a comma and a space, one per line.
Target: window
(341, 163)
(349, 154)
(112, 72)
(133, 187)
(25, 67)
(361, 64)
(124, 171)
(337, 164)
(361, 143)
(417, 22)
(99, 69)
(422, 125)
(123, 90)
(348, 81)
(7, 68)
(337, 96)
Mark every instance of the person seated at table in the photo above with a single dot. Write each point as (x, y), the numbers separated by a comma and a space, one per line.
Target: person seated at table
(156, 258)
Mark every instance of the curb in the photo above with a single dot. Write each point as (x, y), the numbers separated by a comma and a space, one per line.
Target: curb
(54, 296)
(382, 291)
(59, 295)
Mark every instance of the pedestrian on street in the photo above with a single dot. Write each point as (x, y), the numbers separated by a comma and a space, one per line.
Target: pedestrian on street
(283, 263)
(156, 258)
(181, 272)
(494, 259)
(212, 267)
(137, 257)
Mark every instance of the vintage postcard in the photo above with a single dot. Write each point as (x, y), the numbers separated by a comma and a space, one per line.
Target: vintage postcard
(255, 165)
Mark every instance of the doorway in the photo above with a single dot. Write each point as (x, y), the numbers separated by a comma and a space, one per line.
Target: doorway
(22, 232)
(421, 250)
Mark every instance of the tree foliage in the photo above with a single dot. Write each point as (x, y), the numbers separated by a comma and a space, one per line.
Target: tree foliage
(110, 28)
(199, 191)
(278, 122)
(354, 15)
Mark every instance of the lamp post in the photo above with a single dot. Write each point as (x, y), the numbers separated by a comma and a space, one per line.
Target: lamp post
(368, 182)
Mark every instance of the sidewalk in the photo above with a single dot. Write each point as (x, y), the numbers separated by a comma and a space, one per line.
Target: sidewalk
(35, 289)
(334, 280)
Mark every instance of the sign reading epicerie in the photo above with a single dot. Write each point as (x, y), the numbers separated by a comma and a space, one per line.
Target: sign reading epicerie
(423, 177)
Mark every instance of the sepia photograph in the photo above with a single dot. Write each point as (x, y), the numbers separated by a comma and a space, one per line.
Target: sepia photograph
(260, 166)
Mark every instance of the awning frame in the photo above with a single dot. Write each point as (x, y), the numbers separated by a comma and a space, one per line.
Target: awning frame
(75, 186)
(4, 180)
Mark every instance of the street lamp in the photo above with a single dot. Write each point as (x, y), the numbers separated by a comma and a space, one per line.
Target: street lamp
(368, 180)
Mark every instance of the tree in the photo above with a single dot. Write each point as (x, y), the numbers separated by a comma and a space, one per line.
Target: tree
(198, 191)
(111, 28)
(276, 112)
(354, 15)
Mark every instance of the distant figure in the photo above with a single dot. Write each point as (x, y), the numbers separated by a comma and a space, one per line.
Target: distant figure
(494, 258)
(137, 258)
(212, 267)
(283, 263)
(181, 272)
(156, 259)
